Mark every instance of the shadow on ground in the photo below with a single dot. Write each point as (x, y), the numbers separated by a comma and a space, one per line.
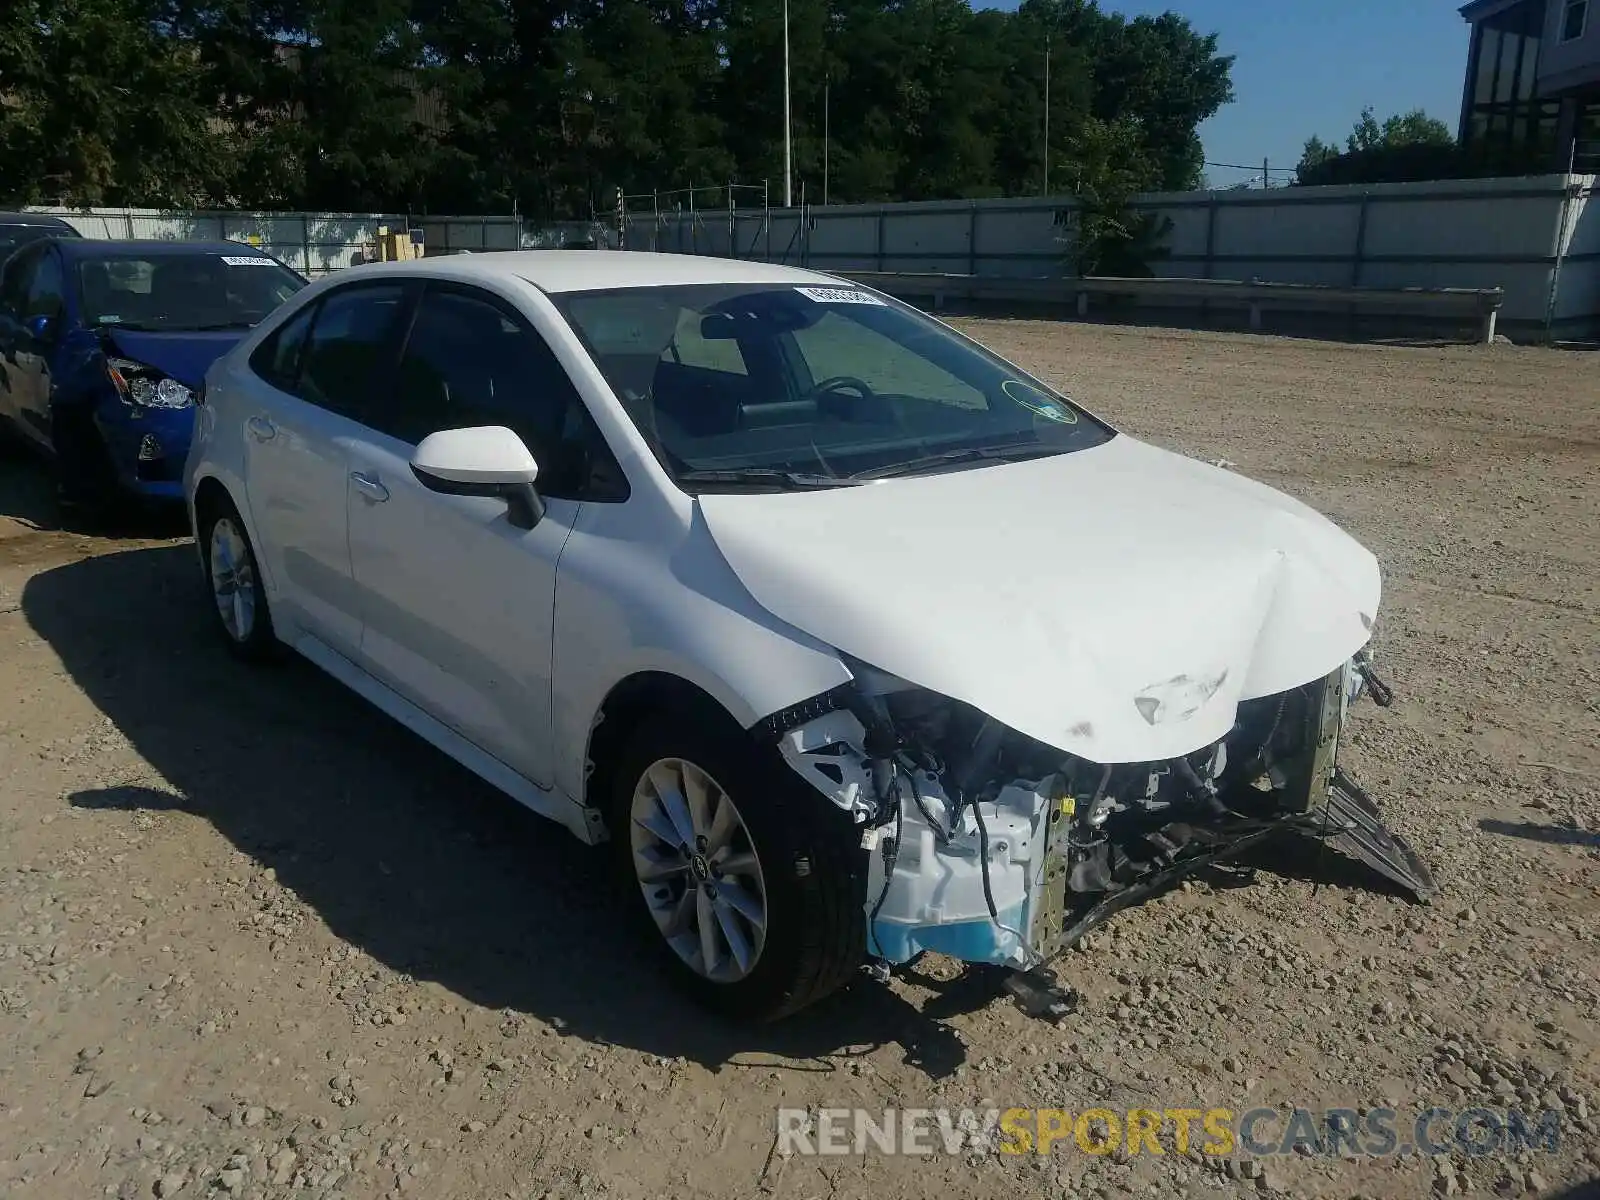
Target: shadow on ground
(28, 501)
(413, 859)
(27, 492)
(400, 851)
(1555, 835)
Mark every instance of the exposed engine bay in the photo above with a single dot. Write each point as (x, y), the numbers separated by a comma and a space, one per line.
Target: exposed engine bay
(991, 847)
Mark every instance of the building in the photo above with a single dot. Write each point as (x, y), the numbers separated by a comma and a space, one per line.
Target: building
(1532, 94)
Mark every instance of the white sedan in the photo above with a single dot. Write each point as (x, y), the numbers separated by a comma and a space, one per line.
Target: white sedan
(855, 640)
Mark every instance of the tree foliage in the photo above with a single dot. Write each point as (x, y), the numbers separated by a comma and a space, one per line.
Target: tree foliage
(1405, 147)
(476, 105)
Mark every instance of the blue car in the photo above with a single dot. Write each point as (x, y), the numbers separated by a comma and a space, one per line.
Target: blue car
(104, 344)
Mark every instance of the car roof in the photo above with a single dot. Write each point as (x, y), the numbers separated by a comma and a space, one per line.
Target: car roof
(37, 220)
(91, 248)
(586, 270)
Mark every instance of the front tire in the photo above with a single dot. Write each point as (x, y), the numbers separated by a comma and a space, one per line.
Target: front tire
(750, 884)
(86, 480)
(239, 600)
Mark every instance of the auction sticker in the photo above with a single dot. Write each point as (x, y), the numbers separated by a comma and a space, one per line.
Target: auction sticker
(252, 260)
(1039, 402)
(823, 295)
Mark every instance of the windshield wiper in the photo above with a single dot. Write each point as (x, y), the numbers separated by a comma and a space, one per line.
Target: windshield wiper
(913, 466)
(766, 477)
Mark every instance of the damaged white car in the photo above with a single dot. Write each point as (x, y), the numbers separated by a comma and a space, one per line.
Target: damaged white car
(855, 640)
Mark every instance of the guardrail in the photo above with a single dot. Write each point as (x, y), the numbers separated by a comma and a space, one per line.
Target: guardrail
(1481, 305)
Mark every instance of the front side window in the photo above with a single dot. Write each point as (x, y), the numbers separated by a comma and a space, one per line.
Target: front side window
(45, 288)
(188, 291)
(1574, 19)
(345, 362)
(832, 384)
(14, 281)
(469, 361)
(277, 359)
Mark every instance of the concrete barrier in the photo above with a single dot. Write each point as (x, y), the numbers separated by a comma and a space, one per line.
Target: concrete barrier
(1481, 306)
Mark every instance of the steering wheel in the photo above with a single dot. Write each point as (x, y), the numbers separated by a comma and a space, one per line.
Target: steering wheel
(839, 383)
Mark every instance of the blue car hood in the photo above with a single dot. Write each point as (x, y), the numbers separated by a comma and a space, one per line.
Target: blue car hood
(183, 354)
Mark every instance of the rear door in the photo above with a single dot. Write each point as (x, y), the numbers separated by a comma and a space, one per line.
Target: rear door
(315, 374)
(457, 602)
(14, 275)
(47, 297)
(31, 286)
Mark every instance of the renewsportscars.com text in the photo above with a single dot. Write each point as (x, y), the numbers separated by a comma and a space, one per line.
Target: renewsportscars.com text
(1221, 1132)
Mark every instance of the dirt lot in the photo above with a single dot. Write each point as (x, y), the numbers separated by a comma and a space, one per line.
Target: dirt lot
(256, 939)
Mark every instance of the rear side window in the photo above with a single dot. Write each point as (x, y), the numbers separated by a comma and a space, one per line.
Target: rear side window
(350, 348)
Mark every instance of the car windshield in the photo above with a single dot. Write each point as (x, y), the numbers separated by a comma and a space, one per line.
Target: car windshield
(203, 290)
(782, 385)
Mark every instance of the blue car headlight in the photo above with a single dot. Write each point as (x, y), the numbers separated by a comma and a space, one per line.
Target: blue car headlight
(147, 386)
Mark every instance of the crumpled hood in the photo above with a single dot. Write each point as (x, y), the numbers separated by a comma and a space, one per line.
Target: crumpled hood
(1117, 602)
(185, 355)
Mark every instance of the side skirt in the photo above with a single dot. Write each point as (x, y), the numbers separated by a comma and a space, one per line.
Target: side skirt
(580, 821)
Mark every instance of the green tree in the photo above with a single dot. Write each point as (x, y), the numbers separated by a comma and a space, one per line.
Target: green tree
(1111, 165)
(100, 106)
(1398, 148)
(462, 105)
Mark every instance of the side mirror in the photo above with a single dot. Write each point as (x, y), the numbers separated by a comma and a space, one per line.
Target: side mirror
(41, 327)
(489, 460)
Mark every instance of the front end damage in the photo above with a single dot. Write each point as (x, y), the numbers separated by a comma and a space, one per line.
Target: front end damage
(991, 847)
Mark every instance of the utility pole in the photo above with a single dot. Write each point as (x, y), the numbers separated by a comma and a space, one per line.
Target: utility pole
(1266, 174)
(827, 85)
(788, 144)
(1047, 114)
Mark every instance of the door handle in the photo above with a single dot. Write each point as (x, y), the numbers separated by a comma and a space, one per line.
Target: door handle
(261, 429)
(369, 487)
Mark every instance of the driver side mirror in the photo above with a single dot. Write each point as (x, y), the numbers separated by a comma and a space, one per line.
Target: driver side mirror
(489, 460)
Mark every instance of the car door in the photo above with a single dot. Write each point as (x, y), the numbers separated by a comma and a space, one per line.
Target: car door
(309, 380)
(457, 602)
(47, 297)
(32, 286)
(14, 274)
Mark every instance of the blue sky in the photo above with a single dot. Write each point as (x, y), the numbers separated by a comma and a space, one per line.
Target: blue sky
(1310, 66)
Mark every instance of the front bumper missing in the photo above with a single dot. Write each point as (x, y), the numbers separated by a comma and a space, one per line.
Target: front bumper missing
(1019, 871)
(1348, 823)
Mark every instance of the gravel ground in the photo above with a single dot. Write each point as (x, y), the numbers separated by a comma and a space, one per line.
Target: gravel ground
(255, 940)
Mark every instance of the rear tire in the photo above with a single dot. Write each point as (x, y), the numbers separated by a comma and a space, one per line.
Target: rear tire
(233, 578)
(779, 851)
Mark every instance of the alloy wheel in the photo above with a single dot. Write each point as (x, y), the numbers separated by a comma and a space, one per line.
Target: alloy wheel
(233, 579)
(698, 870)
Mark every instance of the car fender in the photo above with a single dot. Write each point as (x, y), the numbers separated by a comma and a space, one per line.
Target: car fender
(216, 452)
(644, 589)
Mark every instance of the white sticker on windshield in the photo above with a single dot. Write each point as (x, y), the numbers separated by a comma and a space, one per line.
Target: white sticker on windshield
(240, 260)
(824, 295)
(1038, 402)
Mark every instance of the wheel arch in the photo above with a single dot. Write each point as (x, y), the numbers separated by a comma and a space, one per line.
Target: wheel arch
(629, 703)
(210, 494)
(210, 491)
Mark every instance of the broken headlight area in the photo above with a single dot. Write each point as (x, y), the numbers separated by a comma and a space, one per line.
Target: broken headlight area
(992, 847)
